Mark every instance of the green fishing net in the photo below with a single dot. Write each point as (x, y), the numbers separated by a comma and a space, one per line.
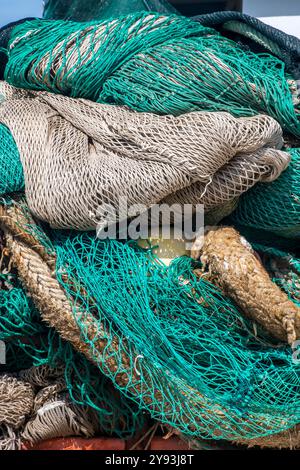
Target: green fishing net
(31, 343)
(275, 206)
(195, 362)
(180, 350)
(131, 61)
(11, 171)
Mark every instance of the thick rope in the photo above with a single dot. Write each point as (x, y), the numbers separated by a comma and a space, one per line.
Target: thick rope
(110, 354)
(232, 264)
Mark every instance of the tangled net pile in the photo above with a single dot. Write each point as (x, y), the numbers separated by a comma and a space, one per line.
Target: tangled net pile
(152, 158)
(100, 335)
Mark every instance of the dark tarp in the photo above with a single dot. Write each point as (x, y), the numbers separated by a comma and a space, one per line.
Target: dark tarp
(79, 10)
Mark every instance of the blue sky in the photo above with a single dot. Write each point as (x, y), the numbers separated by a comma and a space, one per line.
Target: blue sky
(11, 10)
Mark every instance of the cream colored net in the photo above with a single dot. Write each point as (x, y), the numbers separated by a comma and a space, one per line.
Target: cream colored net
(79, 156)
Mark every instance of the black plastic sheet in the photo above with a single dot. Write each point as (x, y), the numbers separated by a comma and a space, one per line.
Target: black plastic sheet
(86, 10)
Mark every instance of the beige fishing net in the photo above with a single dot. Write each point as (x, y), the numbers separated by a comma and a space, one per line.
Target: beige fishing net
(35, 406)
(16, 401)
(80, 158)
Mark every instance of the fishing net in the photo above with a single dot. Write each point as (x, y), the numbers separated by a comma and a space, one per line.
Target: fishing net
(77, 155)
(12, 177)
(168, 341)
(84, 387)
(101, 9)
(5, 33)
(128, 336)
(36, 407)
(130, 61)
(30, 343)
(16, 401)
(184, 338)
(274, 207)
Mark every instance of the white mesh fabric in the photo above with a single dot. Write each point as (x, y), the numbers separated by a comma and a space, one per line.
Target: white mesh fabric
(78, 155)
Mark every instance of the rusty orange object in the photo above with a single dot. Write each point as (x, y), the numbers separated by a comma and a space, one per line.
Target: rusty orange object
(173, 443)
(103, 443)
(78, 443)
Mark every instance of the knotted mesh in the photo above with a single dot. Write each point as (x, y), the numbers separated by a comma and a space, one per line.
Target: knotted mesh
(80, 158)
(165, 64)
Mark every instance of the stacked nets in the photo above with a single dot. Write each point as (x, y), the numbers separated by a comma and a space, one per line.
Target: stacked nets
(169, 341)
(31, 345)
(128, 334)
(12, 177)
(166, 319)
(257, 35)
(80, 158)
(130, 61)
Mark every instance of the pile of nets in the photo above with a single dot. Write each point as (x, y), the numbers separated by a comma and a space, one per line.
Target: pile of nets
(101, 336)
(170, 342)
(130, 61)
(32, 347)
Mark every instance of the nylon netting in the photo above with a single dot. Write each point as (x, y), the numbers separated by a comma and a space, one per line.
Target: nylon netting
(30, 343)
(181, 333)
(154, 340)
(186, 336)
(276, 206)
(76, 156)
(130, 61)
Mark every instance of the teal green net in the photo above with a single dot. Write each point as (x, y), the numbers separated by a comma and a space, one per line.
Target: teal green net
(192, 360)
(29, 343)
(195, 362)
(274, 207)
(11, 171)
(283, 267)
(130, 61)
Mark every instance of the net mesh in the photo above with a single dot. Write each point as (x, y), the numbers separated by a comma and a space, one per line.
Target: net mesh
(186, 337)
(157, 340)
(130, 61)
(276, 206)
(173, 344)
(30, 343)
(77, 155)
(12, 177)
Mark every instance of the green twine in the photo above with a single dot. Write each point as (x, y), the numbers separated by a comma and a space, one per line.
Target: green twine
(162, 64)
(11, 171)
(274, 207)
(184, 332)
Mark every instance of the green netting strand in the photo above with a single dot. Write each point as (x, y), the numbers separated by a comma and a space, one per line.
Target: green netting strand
(29, 343)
